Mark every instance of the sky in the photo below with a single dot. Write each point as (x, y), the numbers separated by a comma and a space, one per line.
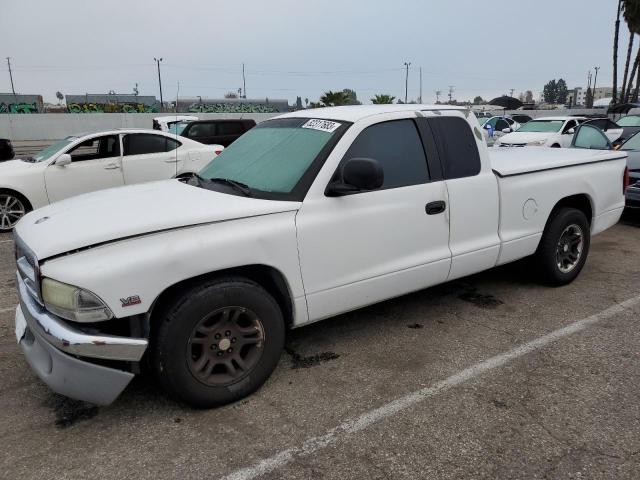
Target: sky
(301, 48)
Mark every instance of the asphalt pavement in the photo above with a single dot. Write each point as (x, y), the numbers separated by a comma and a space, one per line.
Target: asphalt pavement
(491, 376)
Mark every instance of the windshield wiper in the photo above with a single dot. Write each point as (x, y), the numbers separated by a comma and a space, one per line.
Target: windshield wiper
(238, 186)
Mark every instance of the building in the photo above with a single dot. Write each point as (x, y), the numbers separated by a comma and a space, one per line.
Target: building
(18, 103)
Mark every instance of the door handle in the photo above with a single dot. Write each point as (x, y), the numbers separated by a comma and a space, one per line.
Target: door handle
(171, 160)
(111, 166)
(433, 208)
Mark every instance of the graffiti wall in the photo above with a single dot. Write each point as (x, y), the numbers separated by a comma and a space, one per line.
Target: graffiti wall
(110, 108)
(231, 108)
(21, 107)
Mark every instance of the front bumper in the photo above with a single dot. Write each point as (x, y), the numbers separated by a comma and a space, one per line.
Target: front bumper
(50, 346)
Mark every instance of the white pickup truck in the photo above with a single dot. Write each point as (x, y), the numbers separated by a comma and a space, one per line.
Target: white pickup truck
(306, 216)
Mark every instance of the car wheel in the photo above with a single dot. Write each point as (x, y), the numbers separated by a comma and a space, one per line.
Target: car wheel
(564, 247)
(555, 145)
(12, 208)
(218, 342)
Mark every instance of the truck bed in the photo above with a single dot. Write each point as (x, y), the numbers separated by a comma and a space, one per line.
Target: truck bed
(516, 161)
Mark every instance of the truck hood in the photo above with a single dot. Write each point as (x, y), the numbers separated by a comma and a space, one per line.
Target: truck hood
(525, 137)
(123, 212)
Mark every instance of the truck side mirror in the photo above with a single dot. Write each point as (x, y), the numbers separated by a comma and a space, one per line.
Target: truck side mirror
(571, 131)
(357, 174)
(506, 130)
(62, 160)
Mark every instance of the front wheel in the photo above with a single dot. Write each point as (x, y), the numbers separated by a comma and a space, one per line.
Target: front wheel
(564, 247)
(12, 209)
(218, 342)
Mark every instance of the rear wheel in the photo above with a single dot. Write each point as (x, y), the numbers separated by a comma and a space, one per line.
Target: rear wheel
(12, 208)
(564, 247)
(555, 145)
(218, 342)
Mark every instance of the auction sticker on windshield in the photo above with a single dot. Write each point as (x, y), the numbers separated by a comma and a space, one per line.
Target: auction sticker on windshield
(322, 125)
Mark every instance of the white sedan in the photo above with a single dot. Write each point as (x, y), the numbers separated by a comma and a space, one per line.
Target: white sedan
(89, 162)
(556, 132)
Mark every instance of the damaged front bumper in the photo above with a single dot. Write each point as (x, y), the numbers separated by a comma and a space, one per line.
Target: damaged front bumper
(52, 347)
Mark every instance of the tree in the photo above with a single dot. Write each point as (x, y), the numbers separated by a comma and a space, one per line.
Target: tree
(561, 91)
(550, 92)
(616, 37)
(528, 96)
(352, 98)
(231, 95)
(479, 100)
(631, 13)
(333, 99)
(381, 98)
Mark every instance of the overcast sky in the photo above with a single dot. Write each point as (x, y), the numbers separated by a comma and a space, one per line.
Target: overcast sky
(295, 47)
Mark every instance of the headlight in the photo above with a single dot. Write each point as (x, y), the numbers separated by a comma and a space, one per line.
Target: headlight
(537, 143)
(73, 303)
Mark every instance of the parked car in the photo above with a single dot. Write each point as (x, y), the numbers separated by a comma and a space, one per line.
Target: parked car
(165, 123)
(88, 162)
(306, 216)
(630, 125)
(6, 150)
(500, 125)
(589, 136)
(521, 118)
(611, 129)
(221, 132)
(542, 132)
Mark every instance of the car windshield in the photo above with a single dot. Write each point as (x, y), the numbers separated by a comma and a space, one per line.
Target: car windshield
(46, 153)
(632, 144)
(542, 126)
(273, 156)
(177, 127)
(630, 121)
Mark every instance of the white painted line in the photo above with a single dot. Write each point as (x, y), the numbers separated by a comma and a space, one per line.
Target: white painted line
(5, 310)
(6, 241)
(314, 444)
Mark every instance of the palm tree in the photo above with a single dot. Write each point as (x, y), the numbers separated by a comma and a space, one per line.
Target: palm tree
(615, 53)
(382, 98)
(333, 99)
(631, 12)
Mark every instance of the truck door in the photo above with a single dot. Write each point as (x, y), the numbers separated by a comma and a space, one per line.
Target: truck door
(473, 194)
(364, 247)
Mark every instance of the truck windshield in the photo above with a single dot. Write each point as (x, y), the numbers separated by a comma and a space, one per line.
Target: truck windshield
(45, 154)
(542, 126)
(273, 156)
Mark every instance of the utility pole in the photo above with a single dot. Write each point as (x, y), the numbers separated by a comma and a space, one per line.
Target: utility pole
(406, 81)
(595, 79)
(420, 99)
(511, 90)
(451, 88)
(11, 76)
(158, 60)
(438, 93)
(244, 82)
(589, 93)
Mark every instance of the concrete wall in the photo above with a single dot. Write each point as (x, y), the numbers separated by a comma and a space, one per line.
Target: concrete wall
(54, 126)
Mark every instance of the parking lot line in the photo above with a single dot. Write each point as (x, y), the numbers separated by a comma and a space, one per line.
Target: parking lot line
(8, 309)
(349, 427)
(5, 241)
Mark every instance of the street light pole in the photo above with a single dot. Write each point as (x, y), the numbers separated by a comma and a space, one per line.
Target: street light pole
(244, 83)
(158, 60)
(406, 81)
(11, 77)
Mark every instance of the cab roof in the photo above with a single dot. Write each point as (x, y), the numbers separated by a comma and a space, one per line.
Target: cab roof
(353, 113)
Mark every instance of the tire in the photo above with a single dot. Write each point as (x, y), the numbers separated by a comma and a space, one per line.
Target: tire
(555, 145)
(13, 207)
(191, 349)
(554, 258)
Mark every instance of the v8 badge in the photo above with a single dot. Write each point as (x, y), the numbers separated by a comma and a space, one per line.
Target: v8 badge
(130, 301)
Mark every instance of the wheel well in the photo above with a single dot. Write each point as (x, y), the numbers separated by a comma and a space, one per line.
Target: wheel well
(579, 202)
(24, 199)
(267, 277)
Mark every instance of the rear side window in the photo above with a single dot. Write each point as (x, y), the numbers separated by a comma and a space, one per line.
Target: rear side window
(230, 128)
(141, 143)
(589, 136)
(202, 130)
(396, 145)
(457, 147)
(501, 125)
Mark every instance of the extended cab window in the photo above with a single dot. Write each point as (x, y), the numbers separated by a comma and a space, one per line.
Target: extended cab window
(396, 145)
(145, 143)
(456, 145)
(95, 148)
